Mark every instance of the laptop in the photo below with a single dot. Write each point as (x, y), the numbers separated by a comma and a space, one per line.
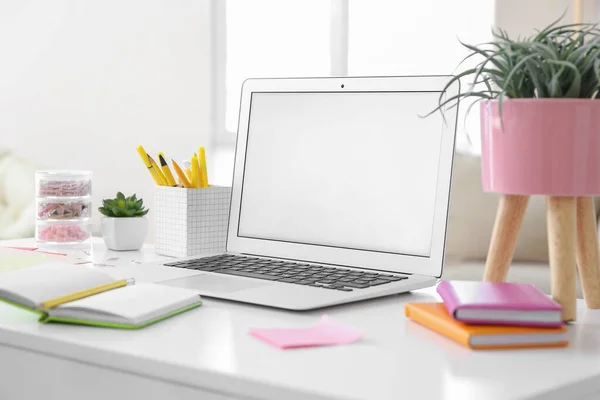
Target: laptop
(340, 193)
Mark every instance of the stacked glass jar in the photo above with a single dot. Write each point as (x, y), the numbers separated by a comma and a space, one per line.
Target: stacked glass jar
(63, 207)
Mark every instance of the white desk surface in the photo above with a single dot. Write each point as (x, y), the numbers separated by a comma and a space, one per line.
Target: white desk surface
(210, 348)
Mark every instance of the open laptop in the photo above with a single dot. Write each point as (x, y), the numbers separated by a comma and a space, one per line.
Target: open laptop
(340, 193)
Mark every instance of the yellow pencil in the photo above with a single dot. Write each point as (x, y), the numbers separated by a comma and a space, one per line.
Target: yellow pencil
(161, 177)
(181, 175)
(144, 157)
(188, 173)
(86, 293)
(187, 168)
(203, 170)
(166, 170)
(195, 172)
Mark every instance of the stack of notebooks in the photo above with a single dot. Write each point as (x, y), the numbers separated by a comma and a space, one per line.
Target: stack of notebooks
(491, 315)
(61, 292)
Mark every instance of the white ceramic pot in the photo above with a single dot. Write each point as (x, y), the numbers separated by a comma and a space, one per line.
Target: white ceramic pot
(124, 233)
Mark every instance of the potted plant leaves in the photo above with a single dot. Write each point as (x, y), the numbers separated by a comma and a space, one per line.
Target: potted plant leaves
(124, 225)
(540, 130)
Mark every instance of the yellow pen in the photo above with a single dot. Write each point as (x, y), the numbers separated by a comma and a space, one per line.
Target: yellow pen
(203, 170)
(166, 170)
(86, 293)
(161, 177)
(181, 175)
(195, 172)
(144, 157)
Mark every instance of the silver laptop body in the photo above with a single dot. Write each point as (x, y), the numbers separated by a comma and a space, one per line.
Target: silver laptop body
(338, 181)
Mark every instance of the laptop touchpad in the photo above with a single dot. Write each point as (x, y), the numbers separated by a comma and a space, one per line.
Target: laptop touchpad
(214, 283)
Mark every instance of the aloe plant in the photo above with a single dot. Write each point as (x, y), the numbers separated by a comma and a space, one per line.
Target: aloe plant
(122, 206)
(560, 61)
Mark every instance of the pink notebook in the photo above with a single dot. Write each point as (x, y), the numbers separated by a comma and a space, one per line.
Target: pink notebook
(499, 303)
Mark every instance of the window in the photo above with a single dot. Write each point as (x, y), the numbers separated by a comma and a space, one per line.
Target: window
(274, 38)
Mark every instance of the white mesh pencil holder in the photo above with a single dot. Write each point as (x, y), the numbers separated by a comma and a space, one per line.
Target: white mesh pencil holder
(191, 221)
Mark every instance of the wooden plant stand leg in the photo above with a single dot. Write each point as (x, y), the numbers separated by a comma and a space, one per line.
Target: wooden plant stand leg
(511, 210)
(588, 259)
(562, 229)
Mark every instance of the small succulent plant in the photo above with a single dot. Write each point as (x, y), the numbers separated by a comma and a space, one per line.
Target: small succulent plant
(123, 207)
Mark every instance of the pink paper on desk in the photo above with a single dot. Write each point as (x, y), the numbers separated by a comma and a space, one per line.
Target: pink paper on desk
(326, 332)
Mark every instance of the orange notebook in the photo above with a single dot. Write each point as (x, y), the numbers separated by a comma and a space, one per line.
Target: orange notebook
(483, 337)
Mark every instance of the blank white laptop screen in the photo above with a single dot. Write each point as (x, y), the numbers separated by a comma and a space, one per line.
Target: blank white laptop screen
(341, 169)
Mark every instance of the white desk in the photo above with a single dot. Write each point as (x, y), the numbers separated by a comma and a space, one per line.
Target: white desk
(207, 354)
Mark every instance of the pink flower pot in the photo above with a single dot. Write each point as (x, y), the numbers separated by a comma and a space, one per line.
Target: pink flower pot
(546, 146)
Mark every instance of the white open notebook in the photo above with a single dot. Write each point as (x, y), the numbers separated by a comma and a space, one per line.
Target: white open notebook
(132, 306)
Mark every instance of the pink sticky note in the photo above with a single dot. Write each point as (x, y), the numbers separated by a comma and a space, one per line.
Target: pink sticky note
(22, 248)
(326, 332)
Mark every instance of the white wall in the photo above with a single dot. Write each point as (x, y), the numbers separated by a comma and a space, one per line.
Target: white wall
(82, 83)
(522, 17)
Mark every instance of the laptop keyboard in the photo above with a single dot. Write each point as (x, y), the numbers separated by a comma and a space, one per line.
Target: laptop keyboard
(343, 279)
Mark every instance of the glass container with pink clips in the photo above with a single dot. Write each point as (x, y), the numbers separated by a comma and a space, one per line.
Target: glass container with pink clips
(63, 207)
